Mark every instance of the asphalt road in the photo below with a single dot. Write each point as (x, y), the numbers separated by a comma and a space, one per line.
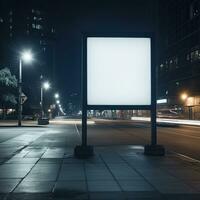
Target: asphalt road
(181, 139)
(178, 138)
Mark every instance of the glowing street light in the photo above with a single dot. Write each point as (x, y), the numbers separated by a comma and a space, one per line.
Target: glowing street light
(184, 96)
(46, 85)
(57, 101)
(27, 57)
(56, 95)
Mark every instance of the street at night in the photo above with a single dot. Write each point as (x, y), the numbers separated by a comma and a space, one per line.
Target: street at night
(100, 100)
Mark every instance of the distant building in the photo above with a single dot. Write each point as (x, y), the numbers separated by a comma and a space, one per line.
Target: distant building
(179, 67)
(27, 27)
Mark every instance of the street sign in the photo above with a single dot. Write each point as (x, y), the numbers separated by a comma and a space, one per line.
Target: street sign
(23, 98)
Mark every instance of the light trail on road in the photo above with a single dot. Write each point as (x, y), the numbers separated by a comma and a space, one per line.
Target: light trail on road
(169, 121)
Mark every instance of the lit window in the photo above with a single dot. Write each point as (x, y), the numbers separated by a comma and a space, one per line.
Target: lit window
(195, 55)
(10, 27)
(188, 56)
(195, 9)
(161, 66)
(177, 83)
(38, 26)
(37, 12)
(1, 20)
(176, 60)
(33, 25)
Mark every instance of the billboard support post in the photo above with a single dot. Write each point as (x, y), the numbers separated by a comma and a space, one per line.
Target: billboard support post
(84, 151)
(153, 149)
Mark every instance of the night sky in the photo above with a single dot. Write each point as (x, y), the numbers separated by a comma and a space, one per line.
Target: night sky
(75, 17)
(72, 18)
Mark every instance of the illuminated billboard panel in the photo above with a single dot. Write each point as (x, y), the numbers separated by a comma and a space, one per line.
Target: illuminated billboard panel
(118, 71)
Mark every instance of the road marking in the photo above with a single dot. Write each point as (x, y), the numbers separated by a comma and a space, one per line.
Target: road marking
(186, 157)
(77, 130)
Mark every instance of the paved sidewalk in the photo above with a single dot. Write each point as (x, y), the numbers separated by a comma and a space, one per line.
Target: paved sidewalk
(118, 172)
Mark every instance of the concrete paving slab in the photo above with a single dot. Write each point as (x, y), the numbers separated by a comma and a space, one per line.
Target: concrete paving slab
(34, 187)
(8, 185)
(43, 172)
(70, 187)
(22, 160)
(103, 186)
(14, 170)
(123, 171)
(72, 172)
(107, 196)
(135, 185)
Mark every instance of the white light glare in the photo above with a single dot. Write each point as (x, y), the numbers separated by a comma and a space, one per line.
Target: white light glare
(57, 101)
(56, 95)
(46, 85)
(160, 101)
(27, 56)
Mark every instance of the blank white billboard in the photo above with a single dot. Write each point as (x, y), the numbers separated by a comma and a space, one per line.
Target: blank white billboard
(118, 71)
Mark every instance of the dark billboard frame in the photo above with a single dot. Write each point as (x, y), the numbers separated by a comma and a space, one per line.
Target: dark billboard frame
(86, 107)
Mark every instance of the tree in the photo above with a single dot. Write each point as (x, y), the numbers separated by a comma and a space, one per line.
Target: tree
(8, 89)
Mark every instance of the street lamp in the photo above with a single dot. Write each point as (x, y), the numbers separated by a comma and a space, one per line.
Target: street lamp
(184, 96)
(26, 57)
(56, 95)
(45, 86)
(57, 101)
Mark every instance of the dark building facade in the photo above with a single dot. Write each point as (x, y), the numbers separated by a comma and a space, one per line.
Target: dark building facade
(27, 25)
(179, 67)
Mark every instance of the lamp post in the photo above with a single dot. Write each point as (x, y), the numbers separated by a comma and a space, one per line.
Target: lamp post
(27, 57)
(45, 86)
(56, 95)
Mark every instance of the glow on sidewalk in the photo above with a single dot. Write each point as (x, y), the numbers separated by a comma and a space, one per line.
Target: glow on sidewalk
(70, 122)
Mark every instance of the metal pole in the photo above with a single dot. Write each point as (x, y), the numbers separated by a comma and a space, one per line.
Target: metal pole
(84, 96)
(20, 94)
(153, 126)
(84, 126)
(41, 101)
(153, 95)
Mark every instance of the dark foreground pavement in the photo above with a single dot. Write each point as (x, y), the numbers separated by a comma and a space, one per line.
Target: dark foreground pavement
(39, 164)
